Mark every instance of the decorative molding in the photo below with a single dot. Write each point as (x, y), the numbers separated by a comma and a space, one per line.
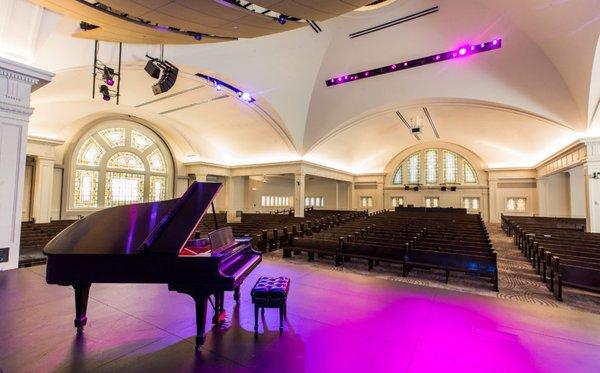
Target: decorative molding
(44, 140)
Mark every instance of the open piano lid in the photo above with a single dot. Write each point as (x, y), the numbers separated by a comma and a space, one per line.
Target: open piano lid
(156, 227)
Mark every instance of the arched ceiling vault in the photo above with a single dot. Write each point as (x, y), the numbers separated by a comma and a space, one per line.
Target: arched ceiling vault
(542, 85)
(501, 136)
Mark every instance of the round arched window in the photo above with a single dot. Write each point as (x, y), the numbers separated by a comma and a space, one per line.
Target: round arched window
(120, 165)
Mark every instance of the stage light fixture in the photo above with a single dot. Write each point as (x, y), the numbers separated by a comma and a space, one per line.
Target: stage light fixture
(105, 92)
(463, 51)
(198, 36)
(219, 85)
(282, 19)
(108, 75)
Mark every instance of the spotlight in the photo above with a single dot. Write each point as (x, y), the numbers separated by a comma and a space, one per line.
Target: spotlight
(152, 69)
(246, 97)
(198, 37)
(105, 92)
(282, 19)
(107, 75)
(462, 51)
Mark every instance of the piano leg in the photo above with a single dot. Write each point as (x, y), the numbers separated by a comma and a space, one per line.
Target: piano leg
(236, 294)
(201, 300)
(81, 300)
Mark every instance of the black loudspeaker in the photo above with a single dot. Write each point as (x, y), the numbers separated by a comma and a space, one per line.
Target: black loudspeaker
(167, 79)
(152, 69)
(443, 188)
(416, 189)
(453, 189)
(406, 187)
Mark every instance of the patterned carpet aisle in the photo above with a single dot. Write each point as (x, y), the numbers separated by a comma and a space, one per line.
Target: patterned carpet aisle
(517, 280)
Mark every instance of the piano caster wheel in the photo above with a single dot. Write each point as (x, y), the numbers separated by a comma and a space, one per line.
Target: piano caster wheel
(79, 330)
(198, 349)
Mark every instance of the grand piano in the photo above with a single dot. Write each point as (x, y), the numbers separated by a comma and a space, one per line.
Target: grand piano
(153, 243)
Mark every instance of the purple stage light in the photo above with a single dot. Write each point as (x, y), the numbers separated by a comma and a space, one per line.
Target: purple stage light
(219, 85)
(439, 57)
(110, 81)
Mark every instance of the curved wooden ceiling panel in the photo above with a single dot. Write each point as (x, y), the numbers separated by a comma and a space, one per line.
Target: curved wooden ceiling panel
(316, 10)
(216, 20)
(113, 28)
(207, 17)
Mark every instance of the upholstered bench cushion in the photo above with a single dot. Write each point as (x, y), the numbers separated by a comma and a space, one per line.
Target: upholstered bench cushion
(271, 287)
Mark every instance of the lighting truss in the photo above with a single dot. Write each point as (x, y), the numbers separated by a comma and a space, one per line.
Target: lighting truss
(219, 85)
(464, 51)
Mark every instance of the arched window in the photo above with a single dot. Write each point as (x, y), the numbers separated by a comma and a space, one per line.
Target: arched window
(120, 165)
(434, 167)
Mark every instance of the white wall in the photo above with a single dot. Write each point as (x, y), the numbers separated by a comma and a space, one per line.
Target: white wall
(577, 192)
(275, 186)
(558, 198)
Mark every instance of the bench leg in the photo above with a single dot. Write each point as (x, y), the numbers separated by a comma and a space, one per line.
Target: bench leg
(447, 275)
(281, 319)
(311, 257)
(287, 253)
(370, 264)
(256, 318)
(558, 287)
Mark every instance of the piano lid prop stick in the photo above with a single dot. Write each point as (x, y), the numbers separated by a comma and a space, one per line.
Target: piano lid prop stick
(214, 215)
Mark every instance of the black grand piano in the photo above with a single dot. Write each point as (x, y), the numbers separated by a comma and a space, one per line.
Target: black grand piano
(152, 243)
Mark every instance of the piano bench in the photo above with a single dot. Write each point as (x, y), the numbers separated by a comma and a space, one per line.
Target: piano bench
(270, 292)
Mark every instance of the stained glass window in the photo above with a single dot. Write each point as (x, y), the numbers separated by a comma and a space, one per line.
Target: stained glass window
(124, 181)
(86, 188)
(414, 165)
(431, 166)
(398, 176)
(158, 188)
(450, 167)
(90, 153)
(397, 201)
(126, 161)
(469, 175)
(123, 188)
(432, 202)
(113, 136)
(157, 162)
(140, 141)
(516, 204)
(471, 203)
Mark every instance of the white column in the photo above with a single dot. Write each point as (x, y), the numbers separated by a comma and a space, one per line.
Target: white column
(351, 196)
(592, 196)
(337, 195)
(493, 199)
(542, 189)
(299, 194)
(16, 83)
(236, 197)
(42, 189)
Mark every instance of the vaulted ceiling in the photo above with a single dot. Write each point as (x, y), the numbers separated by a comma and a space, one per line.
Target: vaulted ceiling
(512, 107)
